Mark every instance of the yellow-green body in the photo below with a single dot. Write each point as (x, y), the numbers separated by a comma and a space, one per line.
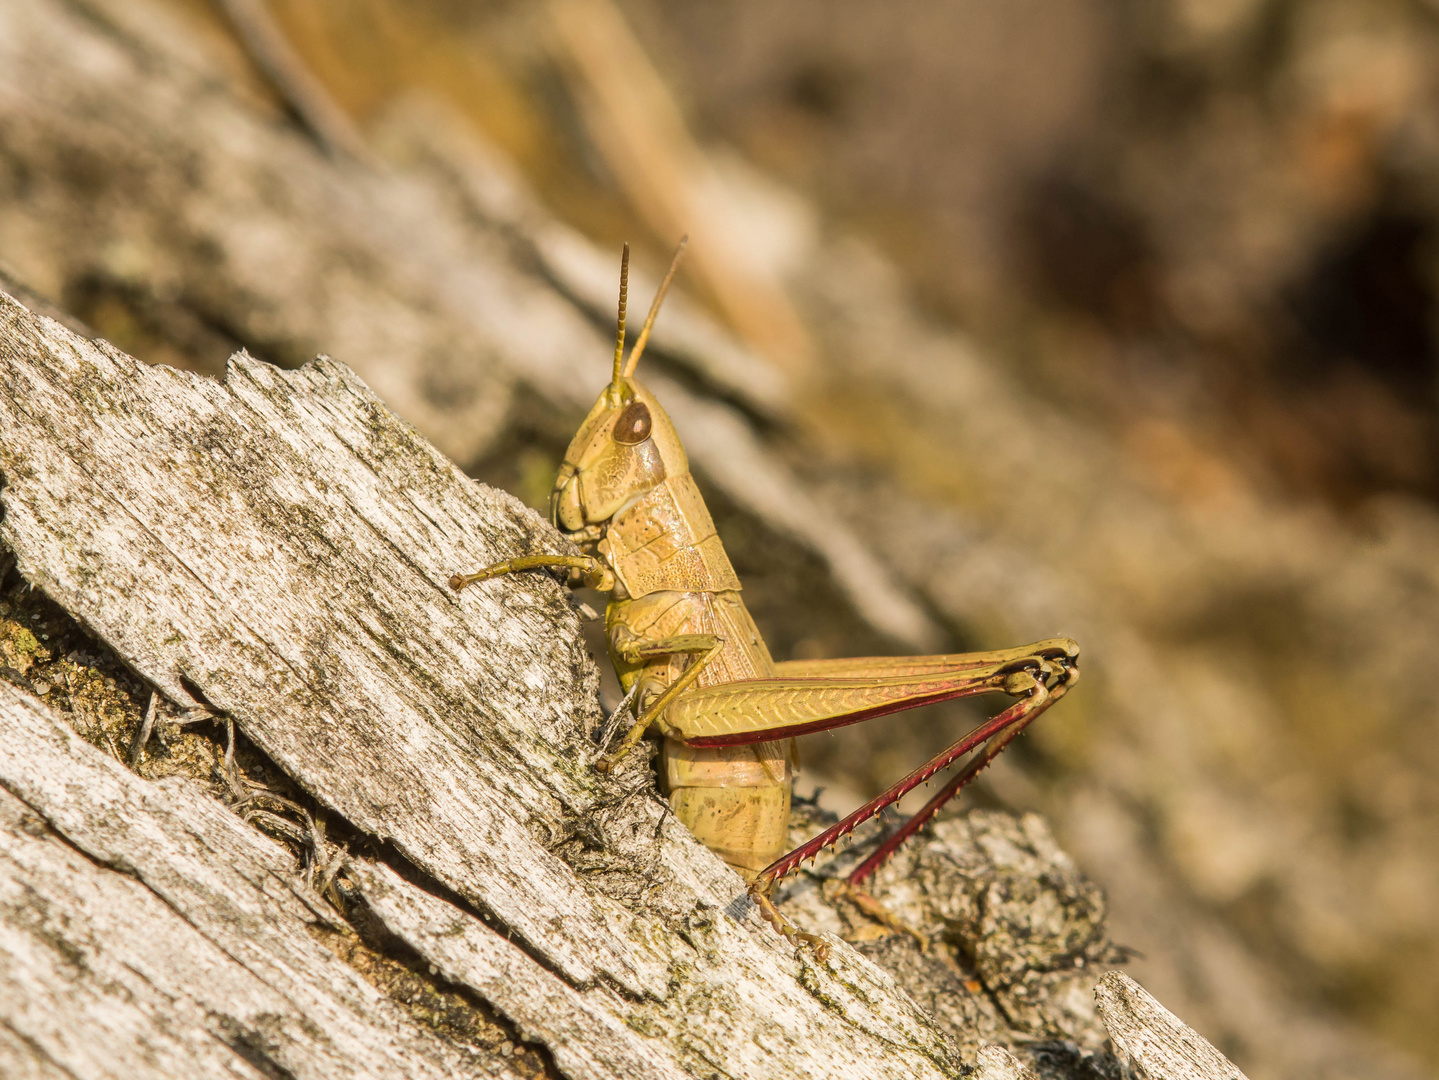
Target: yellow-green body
(671, 579)
(697, 671)
(734, 799)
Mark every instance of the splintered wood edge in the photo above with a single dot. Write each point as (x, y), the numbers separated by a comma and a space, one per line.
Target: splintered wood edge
(1157, 1043)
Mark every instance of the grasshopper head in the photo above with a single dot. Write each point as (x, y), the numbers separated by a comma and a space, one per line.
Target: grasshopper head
(627, 443)
(626, 446)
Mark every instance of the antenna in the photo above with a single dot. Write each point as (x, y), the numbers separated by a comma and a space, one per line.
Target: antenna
(644, 337)
(620, 325)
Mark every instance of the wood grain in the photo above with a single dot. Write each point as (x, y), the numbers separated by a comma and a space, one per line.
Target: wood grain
(1156, 1043)
(147, 932)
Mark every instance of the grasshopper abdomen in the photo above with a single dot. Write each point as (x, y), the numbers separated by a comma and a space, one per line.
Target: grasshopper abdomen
(735, 799)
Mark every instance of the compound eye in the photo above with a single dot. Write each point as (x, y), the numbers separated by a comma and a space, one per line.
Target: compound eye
(633, 425)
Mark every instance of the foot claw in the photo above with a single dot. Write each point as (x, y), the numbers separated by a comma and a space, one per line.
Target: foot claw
(759, 892)
(816, 943)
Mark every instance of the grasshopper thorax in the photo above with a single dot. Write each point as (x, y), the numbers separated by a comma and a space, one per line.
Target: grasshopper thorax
(626, 445)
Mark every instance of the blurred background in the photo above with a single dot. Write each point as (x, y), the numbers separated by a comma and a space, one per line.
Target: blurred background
(1106, 318)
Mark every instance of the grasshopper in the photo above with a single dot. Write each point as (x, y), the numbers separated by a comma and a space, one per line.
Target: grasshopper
(696, 670)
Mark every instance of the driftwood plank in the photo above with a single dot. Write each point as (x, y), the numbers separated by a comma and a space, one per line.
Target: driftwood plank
(276, 546)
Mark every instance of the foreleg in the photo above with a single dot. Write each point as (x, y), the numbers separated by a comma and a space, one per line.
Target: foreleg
(593, 572)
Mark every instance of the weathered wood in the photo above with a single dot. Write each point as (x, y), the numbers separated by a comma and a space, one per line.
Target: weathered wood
(585, 1038)
(146, 931)
(276, 547)
(1156, 1044)
(997, 1063)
